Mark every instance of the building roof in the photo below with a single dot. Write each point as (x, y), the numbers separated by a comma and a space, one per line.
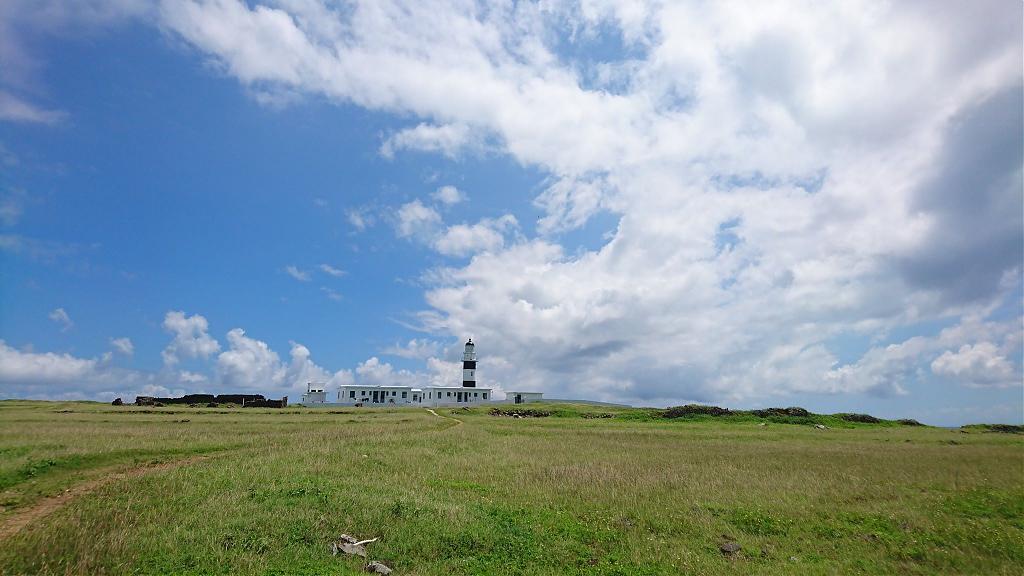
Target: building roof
(388, 386)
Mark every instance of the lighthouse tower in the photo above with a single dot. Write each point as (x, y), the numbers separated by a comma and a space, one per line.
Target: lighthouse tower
(469, 366)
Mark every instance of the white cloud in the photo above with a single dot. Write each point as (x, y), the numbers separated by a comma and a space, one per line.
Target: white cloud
(486, 235)
(414, 220)
(123, 346)
(980, 364)
(818, 135)
(51, 375)
(449, 195)
(191, 339)
(17, 366)
(331, 270)
(331, 293)
(60, 316)
(23, 21)
(420, 349)
(302, 370)
(448, 139)
(192, 377)
(375, 372)
(359, 219)
(300, 275)
(15, 109)
(248, 363)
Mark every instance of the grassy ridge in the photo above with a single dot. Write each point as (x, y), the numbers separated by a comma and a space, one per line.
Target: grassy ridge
(691, 413)
(567, 494)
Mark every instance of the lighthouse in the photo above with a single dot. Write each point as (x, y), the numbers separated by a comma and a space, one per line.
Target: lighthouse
(469, 366)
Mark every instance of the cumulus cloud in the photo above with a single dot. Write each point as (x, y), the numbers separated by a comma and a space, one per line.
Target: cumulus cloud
(192, 378)
(486, 235)
(980, 364)
(249, 363)
(865, 158)
(63, 376)
(191, 339)
(449, 195)
(416, 221)
(60, 316)
(448, 139)
(17, 366)
(123, 346)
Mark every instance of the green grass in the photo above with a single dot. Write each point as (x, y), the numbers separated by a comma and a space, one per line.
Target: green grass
(565, 494)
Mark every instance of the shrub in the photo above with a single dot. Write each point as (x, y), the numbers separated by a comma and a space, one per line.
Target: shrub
(791, 411)
(1006, 428)
(695, 410)
(909, 422)
(864, 418)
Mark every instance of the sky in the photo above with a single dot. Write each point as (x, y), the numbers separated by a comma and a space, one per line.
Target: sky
(747, 204)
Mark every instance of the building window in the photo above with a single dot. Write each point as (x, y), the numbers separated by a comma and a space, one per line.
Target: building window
(405, 394)
(351, 393)
(485, 395)
(449, 394)
(474, 394)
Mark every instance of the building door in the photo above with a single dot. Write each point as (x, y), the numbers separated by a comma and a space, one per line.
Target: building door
(376, 397)
(519, 398)
(458, 396)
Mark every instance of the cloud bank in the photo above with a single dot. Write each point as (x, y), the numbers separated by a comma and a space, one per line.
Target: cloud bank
(782, 175)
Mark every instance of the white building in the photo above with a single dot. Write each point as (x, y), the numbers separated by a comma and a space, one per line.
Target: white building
(523, 397)
(467, 394)
(315, 394)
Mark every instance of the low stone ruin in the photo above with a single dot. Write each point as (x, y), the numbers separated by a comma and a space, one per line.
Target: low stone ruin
(244, 400)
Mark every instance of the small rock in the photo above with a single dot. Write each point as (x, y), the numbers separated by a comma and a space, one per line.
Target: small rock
(377, 568)
(350, 545)
(821, 427)
(793, 559)
(763, 424)
(117, 402)
(730, 548)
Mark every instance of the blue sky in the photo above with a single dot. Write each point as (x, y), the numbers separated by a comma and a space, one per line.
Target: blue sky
(621, 202)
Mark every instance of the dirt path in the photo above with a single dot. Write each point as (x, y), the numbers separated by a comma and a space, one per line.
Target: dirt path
(46, 506)
(456, 420)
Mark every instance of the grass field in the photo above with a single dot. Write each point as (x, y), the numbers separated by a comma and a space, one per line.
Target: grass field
(267, 491)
